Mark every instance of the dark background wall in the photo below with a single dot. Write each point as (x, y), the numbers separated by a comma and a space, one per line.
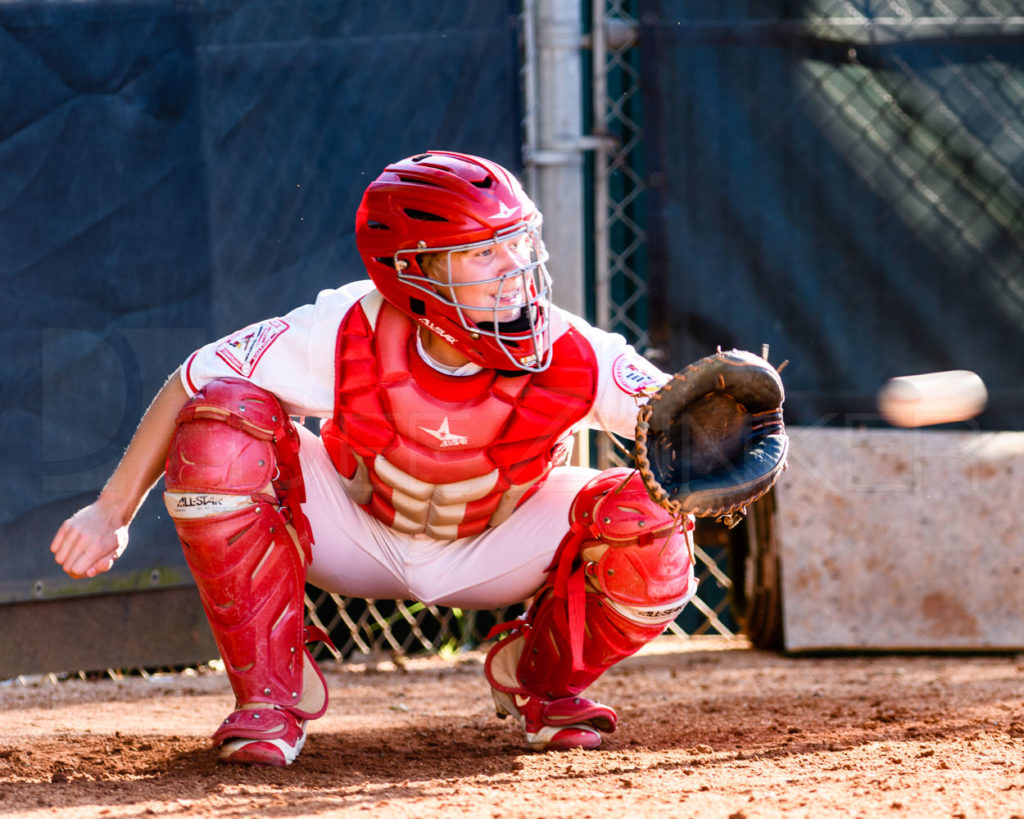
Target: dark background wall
(844, 184)
(172, 171)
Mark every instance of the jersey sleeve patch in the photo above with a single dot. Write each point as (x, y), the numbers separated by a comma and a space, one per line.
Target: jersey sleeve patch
(636, 376)
(243, 350)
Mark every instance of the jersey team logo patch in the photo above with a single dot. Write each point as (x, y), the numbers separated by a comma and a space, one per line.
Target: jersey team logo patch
(635, 376)
(243, 350)
(445, 436)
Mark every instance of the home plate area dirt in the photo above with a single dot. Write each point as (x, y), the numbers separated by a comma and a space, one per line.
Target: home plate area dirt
(707, 728)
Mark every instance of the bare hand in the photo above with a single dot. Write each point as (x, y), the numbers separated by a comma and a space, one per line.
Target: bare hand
(89, 542)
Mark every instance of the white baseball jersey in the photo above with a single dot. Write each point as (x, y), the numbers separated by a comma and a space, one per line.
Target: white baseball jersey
(354, 554)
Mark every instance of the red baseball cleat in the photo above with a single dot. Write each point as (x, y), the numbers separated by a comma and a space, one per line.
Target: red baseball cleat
(557, 725)
(261, 736)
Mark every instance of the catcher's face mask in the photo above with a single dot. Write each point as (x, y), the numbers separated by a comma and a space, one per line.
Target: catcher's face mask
(498, 291)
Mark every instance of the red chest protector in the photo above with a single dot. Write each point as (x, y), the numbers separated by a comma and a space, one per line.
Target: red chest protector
(442, 455)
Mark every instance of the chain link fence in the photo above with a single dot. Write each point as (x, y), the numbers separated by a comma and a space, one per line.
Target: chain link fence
(620, 265)
(834, 177)
(937, 131)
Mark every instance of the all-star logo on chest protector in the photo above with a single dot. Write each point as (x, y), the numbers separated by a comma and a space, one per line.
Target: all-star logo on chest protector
(446, 436)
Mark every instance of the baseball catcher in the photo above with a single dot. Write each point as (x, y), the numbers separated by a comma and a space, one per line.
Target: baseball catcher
(448, 387)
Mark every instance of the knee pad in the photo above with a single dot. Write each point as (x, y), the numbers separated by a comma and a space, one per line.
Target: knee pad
(234, 489)
(234, 445)
(622, 573)
(233, 439)
(636, 557)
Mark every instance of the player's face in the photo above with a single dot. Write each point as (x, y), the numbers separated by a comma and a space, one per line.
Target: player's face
(479, 279)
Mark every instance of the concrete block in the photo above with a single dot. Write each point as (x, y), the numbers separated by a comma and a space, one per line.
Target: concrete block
(902, 540)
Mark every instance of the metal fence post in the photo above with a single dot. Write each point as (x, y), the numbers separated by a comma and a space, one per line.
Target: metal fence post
(554, 145)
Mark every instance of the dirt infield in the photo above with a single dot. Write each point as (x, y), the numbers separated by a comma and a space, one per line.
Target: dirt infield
(707, 729)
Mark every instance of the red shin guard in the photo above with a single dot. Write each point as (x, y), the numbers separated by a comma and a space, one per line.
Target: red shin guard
(620, 576)
(251, 581)
(233, 489)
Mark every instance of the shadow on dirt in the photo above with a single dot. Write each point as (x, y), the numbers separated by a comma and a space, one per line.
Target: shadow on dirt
(423, 738)
(336, 772)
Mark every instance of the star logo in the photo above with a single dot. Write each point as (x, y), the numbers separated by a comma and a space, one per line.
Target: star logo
(446, 436)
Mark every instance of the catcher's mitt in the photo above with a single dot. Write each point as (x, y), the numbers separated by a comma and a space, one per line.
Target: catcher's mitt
(711, 441)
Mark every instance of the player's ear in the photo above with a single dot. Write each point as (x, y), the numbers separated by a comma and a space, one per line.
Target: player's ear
(429, 264)
(434, 267)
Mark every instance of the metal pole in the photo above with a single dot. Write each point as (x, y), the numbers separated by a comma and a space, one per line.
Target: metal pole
(602, 275)
(554, 160)
(599, 91)
(529, 82)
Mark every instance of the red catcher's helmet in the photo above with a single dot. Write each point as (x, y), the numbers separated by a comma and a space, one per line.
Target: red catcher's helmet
(445, 203)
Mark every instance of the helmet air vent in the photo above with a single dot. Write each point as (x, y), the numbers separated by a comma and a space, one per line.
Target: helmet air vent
(423, 215)
(416, 180)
